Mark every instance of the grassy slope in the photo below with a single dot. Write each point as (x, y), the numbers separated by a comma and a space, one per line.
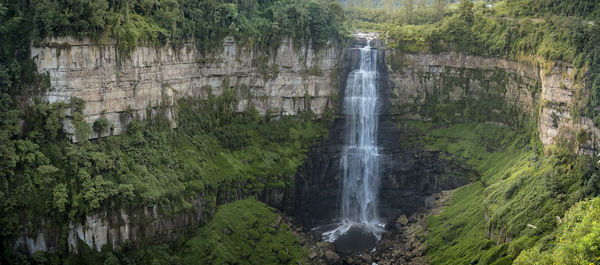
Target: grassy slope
(244, 232)
(578, 238)
(517, 187)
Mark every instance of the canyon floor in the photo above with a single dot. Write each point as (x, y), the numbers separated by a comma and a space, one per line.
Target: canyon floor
(402, 243)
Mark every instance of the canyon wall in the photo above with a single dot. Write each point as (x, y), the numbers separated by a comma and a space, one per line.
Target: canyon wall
(408, 173)
(450, 87)
(290, 80)
(111, 228)
(446, 86)
(492, 90)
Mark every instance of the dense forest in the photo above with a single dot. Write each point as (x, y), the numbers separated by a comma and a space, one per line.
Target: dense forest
(44, 173)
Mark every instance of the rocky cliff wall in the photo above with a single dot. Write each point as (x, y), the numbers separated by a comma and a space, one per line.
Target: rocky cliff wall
(290, 80)
(493, 90)
(531, 95)
(409, 174)
(111, 228)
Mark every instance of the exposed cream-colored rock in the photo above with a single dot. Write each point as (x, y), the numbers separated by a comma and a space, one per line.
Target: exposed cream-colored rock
(153, 77)
(553, 99)
(112, 229)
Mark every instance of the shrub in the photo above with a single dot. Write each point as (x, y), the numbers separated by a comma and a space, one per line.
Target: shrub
(101, 125)
(578, 241)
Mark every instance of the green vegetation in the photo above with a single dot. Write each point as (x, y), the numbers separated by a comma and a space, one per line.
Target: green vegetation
(577, 240)
(544, 32)
(518, 196)
(244, 232)
(477, 30)
(150, 163)
(463, 220)
(256, 24)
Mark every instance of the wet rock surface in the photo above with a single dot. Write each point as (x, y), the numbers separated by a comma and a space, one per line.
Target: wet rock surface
(403, 243)
(413, 181)
(409, 173)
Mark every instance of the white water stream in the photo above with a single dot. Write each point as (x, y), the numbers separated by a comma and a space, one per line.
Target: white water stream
(360, 157)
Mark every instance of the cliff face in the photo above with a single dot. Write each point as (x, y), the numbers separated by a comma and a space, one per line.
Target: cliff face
(285, 83)
(110, 228)
(497, 90)
(447, 86)
(289, 81)
(453, 86)
(409, 174)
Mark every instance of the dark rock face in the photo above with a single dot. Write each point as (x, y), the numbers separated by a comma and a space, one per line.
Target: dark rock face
(408, 173)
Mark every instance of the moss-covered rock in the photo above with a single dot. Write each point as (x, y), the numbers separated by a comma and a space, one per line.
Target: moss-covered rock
(514, 204)
(244, 232)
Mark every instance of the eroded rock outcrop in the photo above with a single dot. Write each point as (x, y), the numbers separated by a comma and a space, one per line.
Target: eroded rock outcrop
(507, 89)
(291, 79)
(110, 228)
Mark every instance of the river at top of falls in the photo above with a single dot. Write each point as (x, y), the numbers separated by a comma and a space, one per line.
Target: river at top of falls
(360, 159)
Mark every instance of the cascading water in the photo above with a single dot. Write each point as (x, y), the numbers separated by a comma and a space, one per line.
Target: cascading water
(360, 157)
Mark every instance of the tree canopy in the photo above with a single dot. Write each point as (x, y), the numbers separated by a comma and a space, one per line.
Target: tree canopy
(256, 23)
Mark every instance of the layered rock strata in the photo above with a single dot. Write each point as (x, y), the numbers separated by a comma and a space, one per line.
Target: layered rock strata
(290, 80)
(545, 93)
(284, 82)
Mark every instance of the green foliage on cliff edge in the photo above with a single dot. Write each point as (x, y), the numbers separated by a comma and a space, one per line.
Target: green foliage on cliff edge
(255, 24)
(519, 195)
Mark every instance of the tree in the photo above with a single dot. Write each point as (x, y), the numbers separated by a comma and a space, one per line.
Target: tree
(60, 196)
(10, 126)
(409, 8)
(440, 6)
(466, 11)
(318, 23)
(101, 126)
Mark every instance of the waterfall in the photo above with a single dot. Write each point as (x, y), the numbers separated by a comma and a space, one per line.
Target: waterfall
(360, 157)
(360, 160)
